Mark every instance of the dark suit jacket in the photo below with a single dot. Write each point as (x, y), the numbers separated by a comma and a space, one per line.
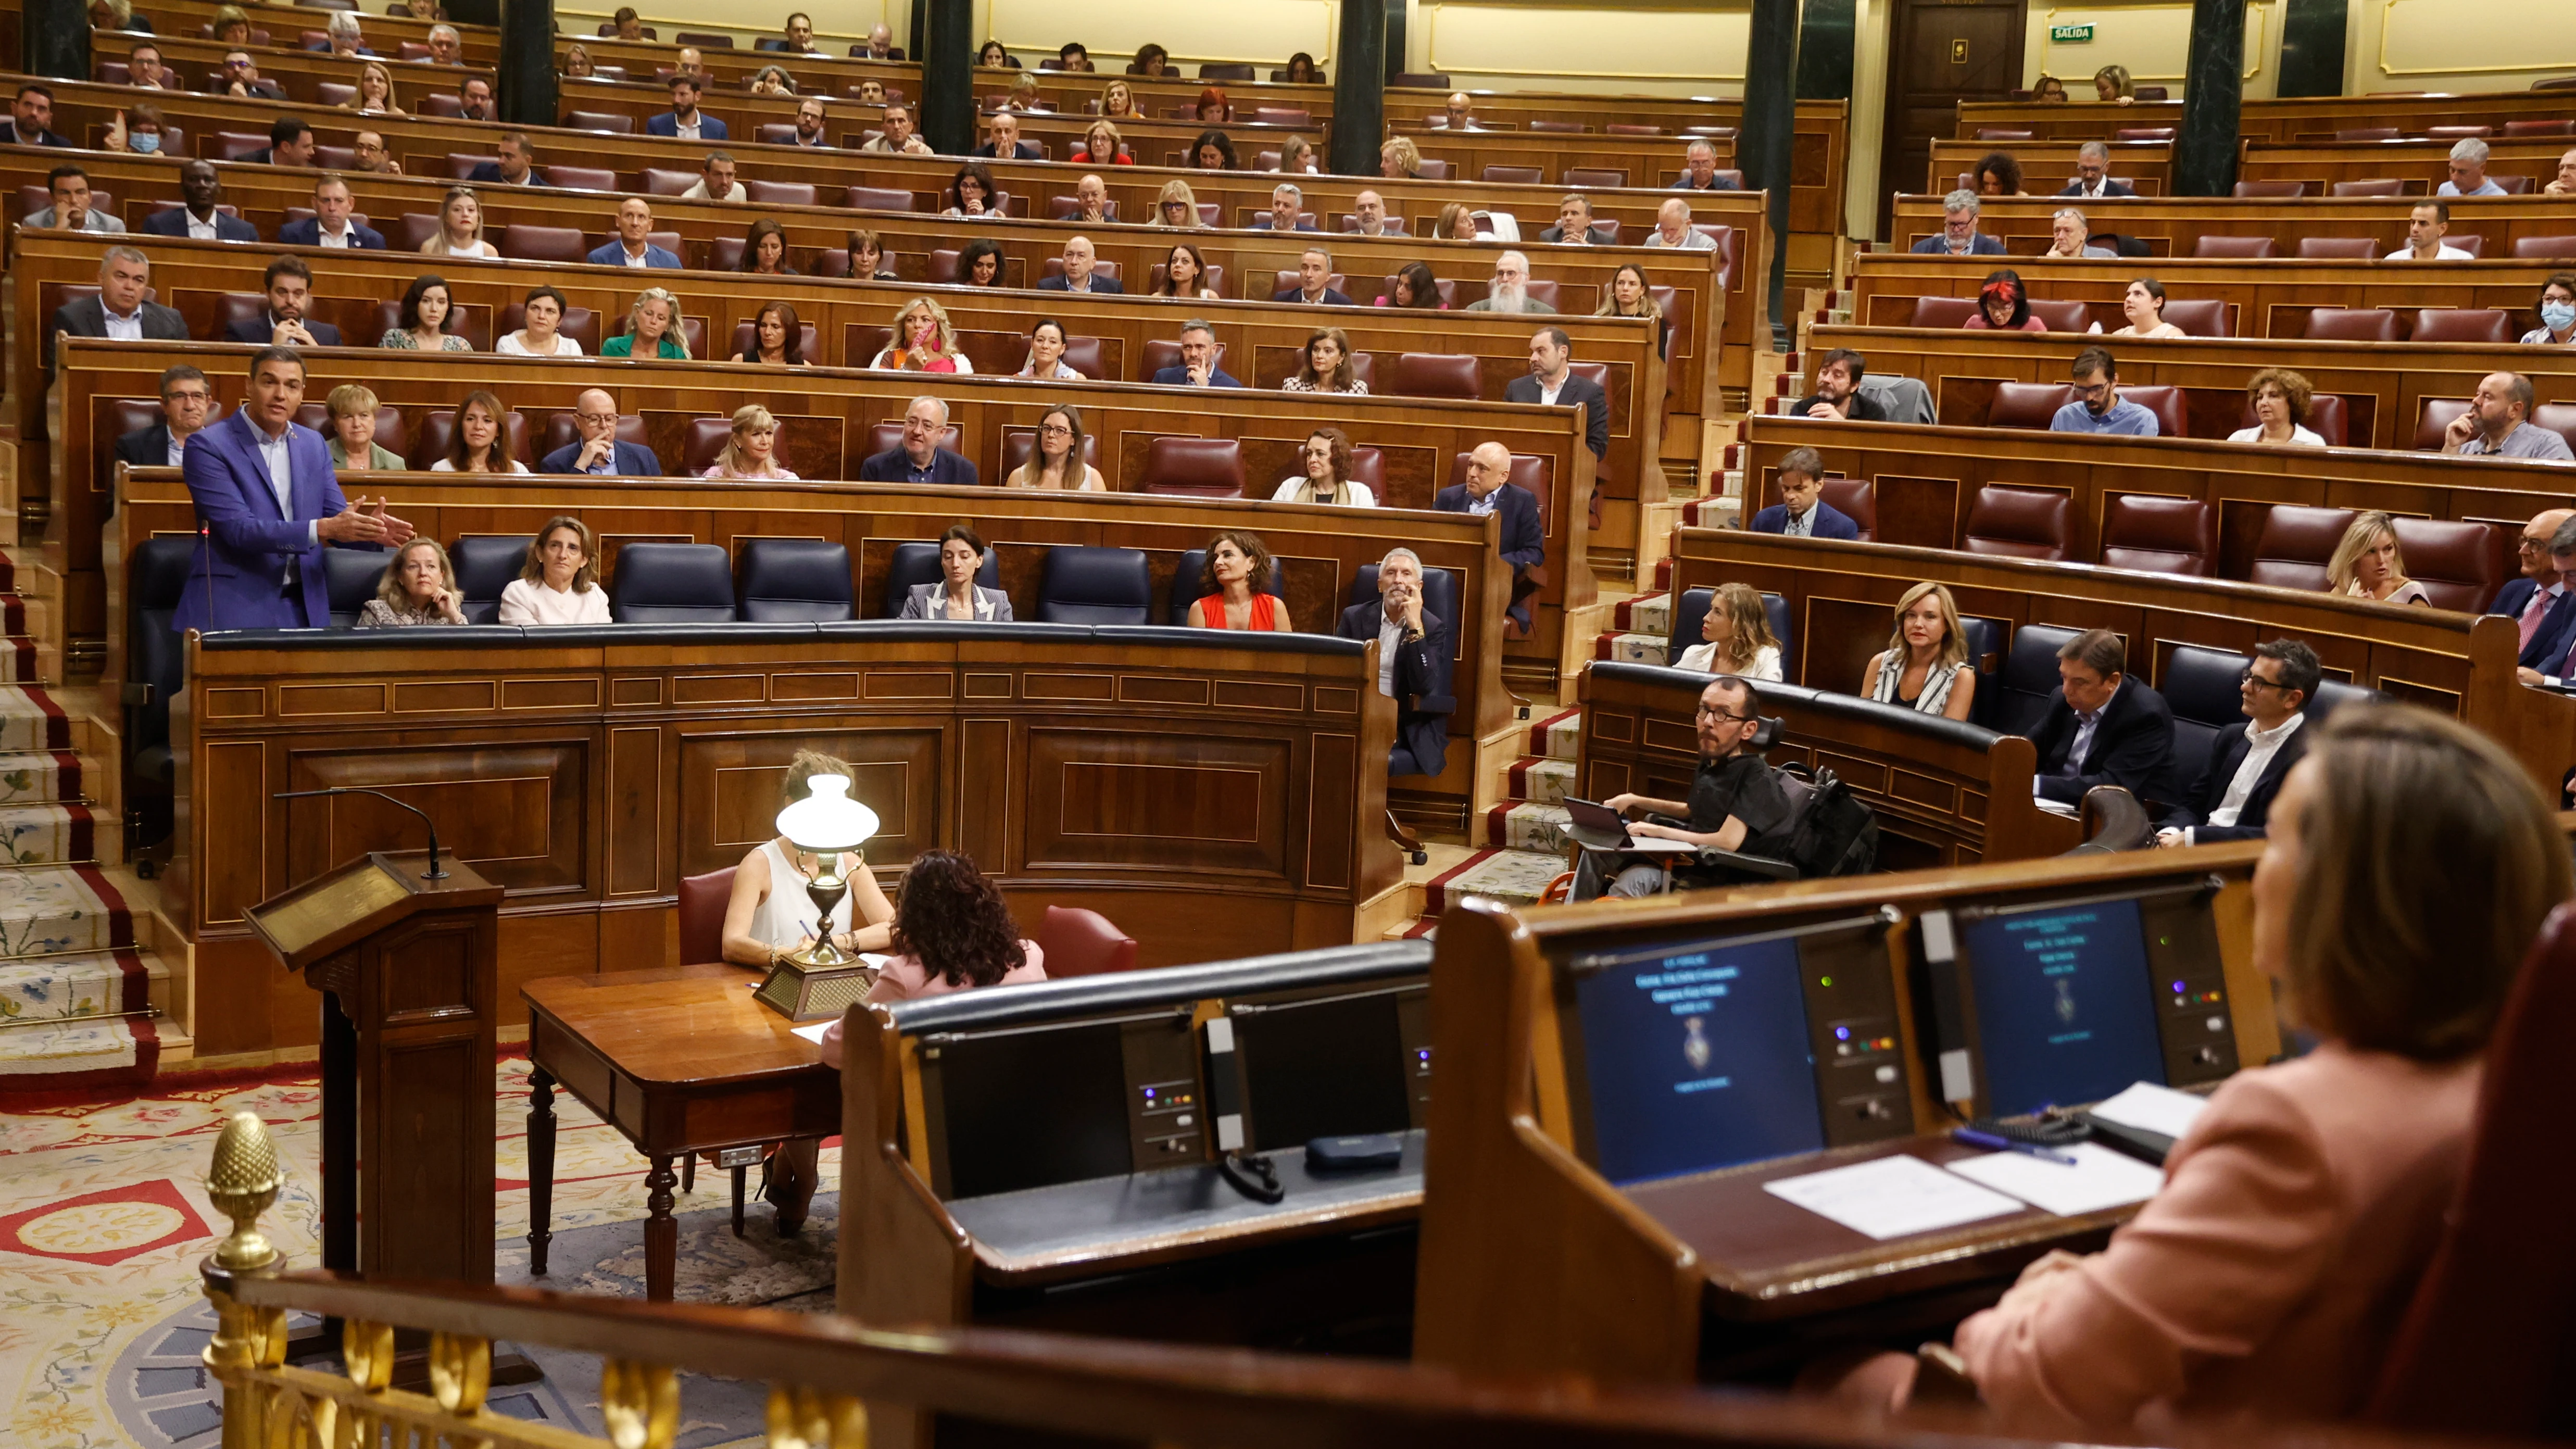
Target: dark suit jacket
(1423, 703)
(246, 544)
(1577, 389)
(1863, 409)
(2227, 754)
(1298, 294)
(2132, 746)
(47, 138)
(1524, 541)
(265, 156)
(1831, 522)
(1024, 151)
(1267, 222)
(2557, 631)
(1600, 236)
(1180, 377)
(307, 232)
(1715, 183)
(633, 460)
(174, 222)
(667, 124)
(489, 173)
(892, 466)
(257, 330)
(145, 447)
(613, 254)
(85, 317)
(2109, 188)
(263, 88)
(1982, 246)
(1106, 286)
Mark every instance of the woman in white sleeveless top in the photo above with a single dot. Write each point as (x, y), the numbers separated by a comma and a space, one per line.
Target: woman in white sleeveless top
(1927, 652)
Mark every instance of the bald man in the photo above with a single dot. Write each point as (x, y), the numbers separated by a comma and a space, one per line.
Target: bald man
(2541, 600)
(1673, 229)
(1081, 261)
(1489, 489)
(1456, 116)
(598, 451)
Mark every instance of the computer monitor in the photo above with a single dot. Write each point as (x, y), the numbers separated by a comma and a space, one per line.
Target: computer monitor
(1329, 1066)
(1027, 1107)
(2065, 1008)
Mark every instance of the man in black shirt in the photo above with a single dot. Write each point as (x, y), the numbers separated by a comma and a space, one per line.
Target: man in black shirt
(1736, 803)
(1837, 393)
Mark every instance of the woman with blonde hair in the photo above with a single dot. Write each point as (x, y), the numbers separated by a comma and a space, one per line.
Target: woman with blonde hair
(1119, 102)
(232, 25)
(559, 584)
(1177, 208)
(1735, 637)
(1629, 295)
(1326, 366)
(1058, 460)
(375, 95)
(460, 227)
(1024, 95)
(924, 341)
(419, 588)
(1925, 665)
(1457, 223)
(577, 63)
(770, 914)
(354, 448)
(1399, 159)
(1296, 156)
(2368, 565)
(752, 451)
(652, 329)
(2111, 85)
(480, 441)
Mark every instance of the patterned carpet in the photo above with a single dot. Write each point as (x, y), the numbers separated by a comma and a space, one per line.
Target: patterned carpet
(103, 1218)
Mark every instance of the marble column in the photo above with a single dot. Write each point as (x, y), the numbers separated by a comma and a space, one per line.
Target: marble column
(2212, 100)
(948, 77)
(1359, 89)
(1770, 118)
(527, 81)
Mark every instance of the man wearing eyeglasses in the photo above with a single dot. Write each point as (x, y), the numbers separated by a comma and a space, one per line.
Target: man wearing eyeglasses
(2541, 602)
(2248, 761)
(2098, 406)
(1736, 803)
(599, 452)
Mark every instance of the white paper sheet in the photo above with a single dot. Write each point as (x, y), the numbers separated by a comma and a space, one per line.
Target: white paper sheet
(813, 1032)
(1891, 1197)
(2152, 1108)
(2100, 1178)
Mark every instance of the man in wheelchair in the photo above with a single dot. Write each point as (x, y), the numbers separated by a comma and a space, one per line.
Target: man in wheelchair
(1738, 807)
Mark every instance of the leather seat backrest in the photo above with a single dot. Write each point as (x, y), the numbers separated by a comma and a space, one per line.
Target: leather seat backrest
(2004, 133)
(1436, 374)
(1594, 176)
(2200, 316)
(2335, 694)
(2352, 324)
(608, 121)
(1082, 942)
(672, 583)
(1160, 353)
(792, 581)
(2434, 418)
(2544, 248)
(2020, 523)
(2243, 247)
(2200, 685)
(351, 575)
(583, 178)
(542, 243)
(1949, 313)
(232, 307)
(2558, 417)
(667, 180)
(1087, 585)
(438, 431)
(160, 576)
(780, 193)
(706, 439)
(877, 198)
(2165, 401)
(2490, 325)
(2143, 133)
(2028, 677)
(917, 562)
(1185, 587)
(2271, 189)
(485, 564)
(2459, 564)
(2296, 541)
(1195, 467)
(1439, 591)
(2027, 404)
(2337, 248)
(2539, 128)
(2372, 186)
(2163, 535)
(2061, 316)
(1855, 499)
(1512, 175)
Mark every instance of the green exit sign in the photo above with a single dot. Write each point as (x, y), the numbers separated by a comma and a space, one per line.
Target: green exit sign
(2070, 34)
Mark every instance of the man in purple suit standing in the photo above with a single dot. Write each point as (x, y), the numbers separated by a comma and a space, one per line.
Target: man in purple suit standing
(267, 505)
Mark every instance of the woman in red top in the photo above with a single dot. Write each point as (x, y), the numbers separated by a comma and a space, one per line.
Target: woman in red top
(1234, 587)
(1101, 146)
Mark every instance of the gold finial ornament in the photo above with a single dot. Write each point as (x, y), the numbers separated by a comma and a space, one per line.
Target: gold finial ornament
(639, 1404)
(243, 1184)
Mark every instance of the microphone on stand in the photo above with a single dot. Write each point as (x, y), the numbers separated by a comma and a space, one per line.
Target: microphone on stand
(433, 873)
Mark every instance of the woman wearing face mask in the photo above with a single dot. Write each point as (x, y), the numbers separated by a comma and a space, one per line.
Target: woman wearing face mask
(2557, 313)
(137, 130)
(923, 342)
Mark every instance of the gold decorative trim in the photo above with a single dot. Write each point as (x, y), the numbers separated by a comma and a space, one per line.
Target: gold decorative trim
(2256, 45)
(2388, 7)
(1431, 9)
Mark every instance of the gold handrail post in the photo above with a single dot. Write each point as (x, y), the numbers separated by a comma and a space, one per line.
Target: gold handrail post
(242, 1184)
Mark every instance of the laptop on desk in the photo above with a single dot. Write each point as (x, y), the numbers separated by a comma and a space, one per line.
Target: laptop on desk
(1595, 826)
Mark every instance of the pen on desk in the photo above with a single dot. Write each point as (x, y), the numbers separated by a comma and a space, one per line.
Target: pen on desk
(1971, 1137)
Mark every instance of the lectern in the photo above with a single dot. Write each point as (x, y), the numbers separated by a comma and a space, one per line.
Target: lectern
(407, 968)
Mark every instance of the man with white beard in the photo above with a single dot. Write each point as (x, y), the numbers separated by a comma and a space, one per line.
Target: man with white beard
(1511, 288)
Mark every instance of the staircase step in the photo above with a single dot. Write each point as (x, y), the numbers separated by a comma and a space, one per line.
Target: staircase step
(55, 909)
(79, 1055)
(30, 776)
(1535, 777)
(1526, 825)
(1516, 877)
(83, 983)
(35, 833)
(1632, 648)
(31, 720)
(1557, 736)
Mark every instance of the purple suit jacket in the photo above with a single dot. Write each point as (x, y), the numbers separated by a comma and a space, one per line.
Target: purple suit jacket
(244, 547)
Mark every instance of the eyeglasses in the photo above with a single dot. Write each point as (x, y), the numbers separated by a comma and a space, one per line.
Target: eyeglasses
(1055, 430)
(598, 419)
(189, 396)
(2248, 676)
(1707, 713)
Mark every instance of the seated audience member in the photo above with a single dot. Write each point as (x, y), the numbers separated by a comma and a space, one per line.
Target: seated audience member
(1177, 207)
(1925, 666)
(2248, 761)
(1234, 587)
(1326, 365)
(289, 285)
(881, 44)
(1314, 282)
(2556, 313)
(952, 932)
(354, 448)
(231, 25)
(652, 329)
(1510, 289)
(2144, 303)
(2067, 232)
(1415, 288)
(2368, 565)
(144, 70)
(764, 251)
(896, 134)
(1185, 274)
(480, 442)
(1302, 70)
(752, 452)
(2565, 182)
(1058, 463)
(1457, 115)
(2093, 175)
(1287, 210)
(1369, 218)
(956, 597)
(1574, 224)
(868, 258)
(1457, 222)
(1673, 229)
(1699, 169)
(684, 121)
(716, 181)
(2539, 598)
(1838, 395)
(426, 310)
(201, 192)
(1080, 261)
(1006, 144)
(1090, 201)
(70, 210)
(373, 158)
(2098, 406)
(979, 263)
(1198, 360)
(798, 29)
(137, 130)
(810, 132)
(1118, 103)
(1736, 803)
(2497, 424)
(2101, 726)
(290, 143)
(2426, 225)
(540, 315)
(919, 458)
(1629, 295)
(1959, 235)
(446, 47)
(2111, 86)
(419, 588)
(1297, 157)
(773, 80)
(1735, 637)
(633, 246)
(1214, 151)
(993, 56)
(630, 26)
(577, 64)
(475, 100)
(924, 341)
(187, 405)
(1998, 174)
(1046, 353)
(777, 337)
(1399, 159)
(332, 225)
(238, 77)
(2281, 401)
(1213, 108)
(460, 229)
(1073, 56)
(1101, 146)
(1414, 650)
(1552, 381)
(1803, 511)
(1326, 476)
(598, 450)
(119, 309)
(1523, 546)
(971, 193)
(2050, 91)
(559, 584)
(2469, 171)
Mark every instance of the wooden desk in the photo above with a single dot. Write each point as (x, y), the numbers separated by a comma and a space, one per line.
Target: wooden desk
(480, 44)
(2172, 226)
(2272, 118)
(297, 71)
(2321, 161)
(1815, 168)
(680, 1061)
(2048, 167)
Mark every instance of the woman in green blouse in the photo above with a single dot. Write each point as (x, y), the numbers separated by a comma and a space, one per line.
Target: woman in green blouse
(354, 448)
(652, 328)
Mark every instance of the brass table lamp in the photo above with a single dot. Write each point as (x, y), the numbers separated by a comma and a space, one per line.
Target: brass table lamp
(821, 979)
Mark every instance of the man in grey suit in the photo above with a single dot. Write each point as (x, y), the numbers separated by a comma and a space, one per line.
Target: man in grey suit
(124, 275)
(69, 186)
(1552, 382)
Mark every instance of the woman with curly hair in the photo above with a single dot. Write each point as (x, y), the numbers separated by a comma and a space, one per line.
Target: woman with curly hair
(1213, 151)
(1998, 174)
(953, 932)
(971, 192)
(1234, 587)
(979, 263)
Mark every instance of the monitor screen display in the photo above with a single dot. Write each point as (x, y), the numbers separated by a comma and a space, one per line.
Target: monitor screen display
(1030, 1108)
(1328, 1068)
(1697, 1057)
(2065, 1009)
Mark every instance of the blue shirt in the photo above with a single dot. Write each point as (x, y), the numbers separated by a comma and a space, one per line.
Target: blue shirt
(2125, 418)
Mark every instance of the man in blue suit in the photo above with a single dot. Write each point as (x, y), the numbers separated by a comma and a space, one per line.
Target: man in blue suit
(1314, 282)
(1489, 489)
(2543, 599)
(919, 458)
(1959, 235)
(267, 506)
(1803, 511)
(331, 224)
(633, 246)
(201, 190)
(1198, 360)
(598, 451)
(2093, 174)
(684, 120)
(1414, 649)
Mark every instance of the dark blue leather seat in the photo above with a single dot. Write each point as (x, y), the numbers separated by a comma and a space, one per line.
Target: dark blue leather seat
(1439, 591)
(2020, 692)
(2335, 694)
(352, 575)
(1690, 615)
(485, 564)
(793, 581)
(2202, 686)
(672, 583)
(1083, 585)
(1193, 564)
(918, 563)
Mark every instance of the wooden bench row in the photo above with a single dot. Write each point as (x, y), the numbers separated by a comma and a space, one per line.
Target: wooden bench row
(2271, 119)
(2173, 226)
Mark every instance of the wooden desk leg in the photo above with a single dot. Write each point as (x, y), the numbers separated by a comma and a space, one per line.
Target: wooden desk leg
(661, 1233)
(738, 1174)
(541, 1167)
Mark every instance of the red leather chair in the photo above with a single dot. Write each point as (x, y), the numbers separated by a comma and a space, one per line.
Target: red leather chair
(809, 343)
(609, 121)
(2062, 316)
(705, 439)
(2278, 189)
(542, 243)
(2027, 404)
(1569, 128)
(724, 253)
(2337, 248)
(2353, 324)
(2539, 128)
(2173, 419)
(333, 93)
(667, 181)
(1594, 176)
(782, 133)
(2367, 133)
(1948, 313)
(2374, 186)
(232, 307)
(581, 324)
(1855, 499)
(1281, 116)
(877, 198)
(2463, 324)
(2474, 243)
(2458, 133)
(2200, 316)
(2237, 247)
(781, 193)
(1021, 444)
(703, 899)
(233, 145)
(942, 262)
(1080, 942)
(2296, 541)
(2327, 418)
(1620, 128)
(2434, 419)
(582, 178)
(2511, 185)
(2160, 535)
(2459, 564)
(444, 106)
(2143, 133)
(1159, 353)
(2557, 417)
(1513, 175)
(2020, 523)
(1194, 467)
(438, 431)
(2003, 133)
(2544, 249)
(1436, 374)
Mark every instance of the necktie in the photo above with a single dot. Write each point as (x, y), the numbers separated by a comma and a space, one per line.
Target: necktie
(2532, 613)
